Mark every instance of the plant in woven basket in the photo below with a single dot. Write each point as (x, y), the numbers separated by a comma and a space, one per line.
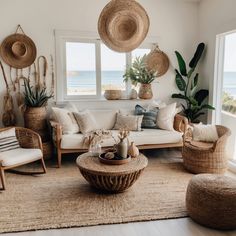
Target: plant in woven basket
(138, 73)
(35, 97)
(187, 83)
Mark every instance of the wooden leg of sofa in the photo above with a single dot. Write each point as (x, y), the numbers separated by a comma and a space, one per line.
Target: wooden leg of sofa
(2, 176)
(58, 158)
(43, 165)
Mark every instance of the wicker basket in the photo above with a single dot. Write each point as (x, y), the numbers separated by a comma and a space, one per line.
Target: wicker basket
(47, 150)
(35, 118)
(112, 94)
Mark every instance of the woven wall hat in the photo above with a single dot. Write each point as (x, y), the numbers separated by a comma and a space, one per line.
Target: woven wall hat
(123, 25)
(18, 50)
(158, 61)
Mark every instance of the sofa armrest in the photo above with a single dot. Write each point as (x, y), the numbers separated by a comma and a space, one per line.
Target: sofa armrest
(180, 123)
(56, 129)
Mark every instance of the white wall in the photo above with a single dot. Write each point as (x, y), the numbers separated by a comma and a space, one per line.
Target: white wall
(173, 22)
(215, 17)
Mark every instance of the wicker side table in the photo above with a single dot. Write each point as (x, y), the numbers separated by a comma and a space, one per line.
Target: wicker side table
(111, 178)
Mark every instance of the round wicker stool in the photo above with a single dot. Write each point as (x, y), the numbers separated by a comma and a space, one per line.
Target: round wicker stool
(211, 201)
(111, 178)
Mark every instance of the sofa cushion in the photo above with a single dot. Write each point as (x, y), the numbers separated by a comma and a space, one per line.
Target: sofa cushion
(86, 121)
(145, 137)
(130, 122)
(149, 116)
(105, 118)
(66, 119)
(20, 155)
(166, 116)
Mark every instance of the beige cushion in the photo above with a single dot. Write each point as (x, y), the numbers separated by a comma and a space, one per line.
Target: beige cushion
(105, 119)
(165, 117)
(145, 137)
(20, 155)
(205, 133)
(130, 122)
(66, 119)
(86, 121)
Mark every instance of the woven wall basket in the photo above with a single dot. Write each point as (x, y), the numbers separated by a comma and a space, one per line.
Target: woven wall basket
(158, 61)
(123, 25)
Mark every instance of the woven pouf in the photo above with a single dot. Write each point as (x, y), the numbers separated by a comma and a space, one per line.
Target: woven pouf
(211, 201)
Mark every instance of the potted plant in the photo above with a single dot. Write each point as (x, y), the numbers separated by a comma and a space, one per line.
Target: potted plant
(35, 101)
(187, 83)
(139, 74)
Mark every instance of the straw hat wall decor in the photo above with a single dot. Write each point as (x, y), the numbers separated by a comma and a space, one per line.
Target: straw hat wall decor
(158, 61)
(18, 50)
(123, 25)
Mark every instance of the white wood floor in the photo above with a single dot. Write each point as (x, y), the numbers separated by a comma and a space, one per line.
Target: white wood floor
(173, 227)
(176, 227)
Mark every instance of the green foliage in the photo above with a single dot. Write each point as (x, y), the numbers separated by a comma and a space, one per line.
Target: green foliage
(187, 83)
(35, 97)
(138, 72)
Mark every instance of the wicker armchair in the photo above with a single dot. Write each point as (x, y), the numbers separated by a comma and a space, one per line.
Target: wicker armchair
(30, 151)
(201, 157)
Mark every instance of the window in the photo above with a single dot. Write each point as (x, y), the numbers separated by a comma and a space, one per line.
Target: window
(80, 69)
(86, 67)
(229, 75)
(113, 66)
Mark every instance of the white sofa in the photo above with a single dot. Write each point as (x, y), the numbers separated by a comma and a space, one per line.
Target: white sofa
(145, 139)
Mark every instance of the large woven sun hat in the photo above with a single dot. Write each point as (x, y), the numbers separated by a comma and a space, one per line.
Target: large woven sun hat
(18, 50)
(158, 61)
(123, 25)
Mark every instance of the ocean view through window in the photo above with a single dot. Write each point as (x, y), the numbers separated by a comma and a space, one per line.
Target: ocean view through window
(90, 68)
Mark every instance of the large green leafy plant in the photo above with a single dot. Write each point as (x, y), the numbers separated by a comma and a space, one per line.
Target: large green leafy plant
(187, 82)
(138, 72)
(35, 97)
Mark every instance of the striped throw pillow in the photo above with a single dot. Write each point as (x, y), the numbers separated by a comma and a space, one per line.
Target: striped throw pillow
(149, 116)
(8, 140)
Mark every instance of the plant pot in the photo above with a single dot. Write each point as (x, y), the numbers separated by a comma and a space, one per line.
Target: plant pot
(145, 91)
(35, 118)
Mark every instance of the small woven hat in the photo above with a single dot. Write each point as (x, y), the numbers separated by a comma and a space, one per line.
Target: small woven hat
(158, 61)
(18, 50)
(123, 25)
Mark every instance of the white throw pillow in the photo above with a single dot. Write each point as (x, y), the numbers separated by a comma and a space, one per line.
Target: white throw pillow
(8, 140)
(165, 117)
(130, 122)
(205, 133)
(66, 119)
(86, 121)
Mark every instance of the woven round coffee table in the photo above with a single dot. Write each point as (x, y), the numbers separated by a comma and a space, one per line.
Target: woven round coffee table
(111, 178)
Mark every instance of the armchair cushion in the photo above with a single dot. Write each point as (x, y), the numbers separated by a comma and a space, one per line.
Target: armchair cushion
(20, 155)
(8, 140)
(205, 133)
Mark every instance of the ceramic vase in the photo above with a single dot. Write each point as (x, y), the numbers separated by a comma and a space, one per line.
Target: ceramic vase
(145, 91)
(122, 148)
(133, 150)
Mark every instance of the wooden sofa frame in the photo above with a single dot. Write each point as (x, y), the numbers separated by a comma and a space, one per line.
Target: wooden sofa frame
(180, 125)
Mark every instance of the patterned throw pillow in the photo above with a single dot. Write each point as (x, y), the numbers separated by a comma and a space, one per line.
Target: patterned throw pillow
(8, 140)
(149, 116)
(130, 122)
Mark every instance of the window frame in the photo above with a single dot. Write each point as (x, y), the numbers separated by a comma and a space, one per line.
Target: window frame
(61, 38)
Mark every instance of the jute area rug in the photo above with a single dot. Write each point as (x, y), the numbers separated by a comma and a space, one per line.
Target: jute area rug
(62, 198)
